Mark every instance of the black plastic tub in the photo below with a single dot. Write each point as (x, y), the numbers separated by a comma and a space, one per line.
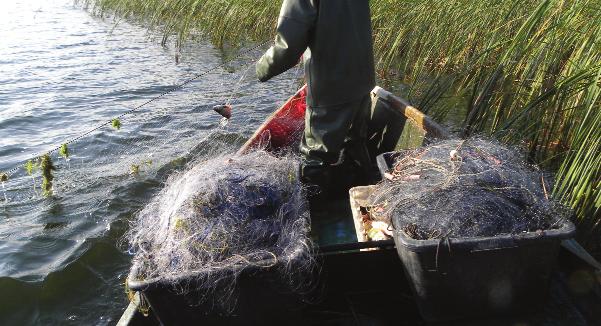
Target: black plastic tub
(478, 277)
(385, 161)
(261, 298)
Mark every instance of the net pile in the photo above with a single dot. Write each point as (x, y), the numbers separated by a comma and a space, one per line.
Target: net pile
(223, 217)
(464, 188)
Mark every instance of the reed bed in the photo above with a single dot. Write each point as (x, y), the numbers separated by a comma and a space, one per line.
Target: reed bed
(524, 71)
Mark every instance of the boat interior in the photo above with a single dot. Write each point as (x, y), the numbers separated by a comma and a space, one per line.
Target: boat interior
(363, 283)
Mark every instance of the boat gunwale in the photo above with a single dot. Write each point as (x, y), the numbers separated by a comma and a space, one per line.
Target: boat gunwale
(157, 282)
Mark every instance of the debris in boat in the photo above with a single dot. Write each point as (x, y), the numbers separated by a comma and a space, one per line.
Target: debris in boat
(222, 217)
(454, 155)
(374, 230)
(464, 188)
(225, 110)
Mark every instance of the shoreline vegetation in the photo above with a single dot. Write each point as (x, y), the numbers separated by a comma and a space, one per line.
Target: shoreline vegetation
(525, 72)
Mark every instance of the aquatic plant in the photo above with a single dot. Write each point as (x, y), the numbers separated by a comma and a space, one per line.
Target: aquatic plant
(517, 70)
(116, 123)
(64, 151)
(30, 167)
(46, 166)
(3, 179)
(134, 169)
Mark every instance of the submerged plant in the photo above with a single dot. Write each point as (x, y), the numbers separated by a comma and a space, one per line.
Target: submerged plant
(30, 167)
(134, 169)
(116, 123)
(64, 151)
(47, 167)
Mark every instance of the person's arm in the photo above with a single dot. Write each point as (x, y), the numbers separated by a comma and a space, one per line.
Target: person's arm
(297, 19)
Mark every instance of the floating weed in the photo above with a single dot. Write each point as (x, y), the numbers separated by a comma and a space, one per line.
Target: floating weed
(64, 151)
(180, 161)
(30, 167)
(180, 224)
(116, 123)
(134, 169)
(46, 166)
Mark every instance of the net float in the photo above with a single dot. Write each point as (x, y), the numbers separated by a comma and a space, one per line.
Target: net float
(225, 110)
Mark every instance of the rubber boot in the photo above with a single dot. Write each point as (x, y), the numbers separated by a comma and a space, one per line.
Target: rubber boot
(318, 182)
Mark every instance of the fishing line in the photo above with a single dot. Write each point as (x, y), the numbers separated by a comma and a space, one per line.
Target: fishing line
(237, 87)
(171, 90)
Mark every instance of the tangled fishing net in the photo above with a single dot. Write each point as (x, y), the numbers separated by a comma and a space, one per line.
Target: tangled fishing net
(464, 188)
(223, 217)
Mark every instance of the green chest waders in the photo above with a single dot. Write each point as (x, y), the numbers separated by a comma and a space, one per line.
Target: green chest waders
(339, 68)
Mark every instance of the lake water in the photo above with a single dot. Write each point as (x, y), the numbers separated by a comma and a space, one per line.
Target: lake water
(62, 73)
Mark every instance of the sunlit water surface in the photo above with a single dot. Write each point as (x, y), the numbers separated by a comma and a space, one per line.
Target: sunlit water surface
(63, 72)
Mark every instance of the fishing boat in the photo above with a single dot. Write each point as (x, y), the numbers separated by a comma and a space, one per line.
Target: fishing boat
(362, 283)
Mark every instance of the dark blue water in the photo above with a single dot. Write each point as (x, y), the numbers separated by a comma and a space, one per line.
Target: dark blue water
(63, 72)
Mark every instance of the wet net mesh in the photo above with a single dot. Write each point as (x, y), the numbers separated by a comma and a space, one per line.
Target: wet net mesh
(223, 217)
(464, 188)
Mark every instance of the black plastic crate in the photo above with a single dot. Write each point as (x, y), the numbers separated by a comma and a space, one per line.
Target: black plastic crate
(475, 277)
(385, 161)
(261, 297)
(470, 277)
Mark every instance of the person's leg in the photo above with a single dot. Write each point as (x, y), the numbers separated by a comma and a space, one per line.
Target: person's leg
(355, 144)
(326, 130)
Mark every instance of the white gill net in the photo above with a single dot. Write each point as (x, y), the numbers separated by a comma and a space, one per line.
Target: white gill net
(465, 188)
(225, 216)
